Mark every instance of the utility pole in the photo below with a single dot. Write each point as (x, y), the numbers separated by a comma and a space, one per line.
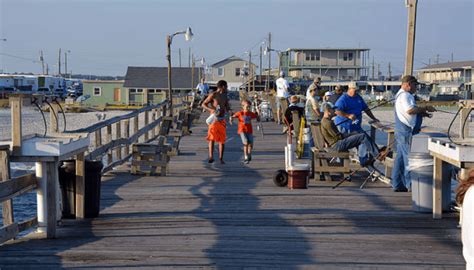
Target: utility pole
(373, 68)
(452, 57)
(410, 50)
(437, 59)
(260, 71)
(65, 64)
(179, 51)
(47, 69)
(269, 58)
(389, 71)
(378, 71)
(189, 57)
(59, 62)
(192, 73)
(42, 61)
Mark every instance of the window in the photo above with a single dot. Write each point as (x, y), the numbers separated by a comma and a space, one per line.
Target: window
(348, 56)
(151, 90)
(237, 72)
(139, 90)
(317, 57)
(311, 56)
(133, 90)
(220, 72)
(97, 91)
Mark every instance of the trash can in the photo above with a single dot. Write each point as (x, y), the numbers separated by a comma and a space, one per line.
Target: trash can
(421, 168)
(67, 183)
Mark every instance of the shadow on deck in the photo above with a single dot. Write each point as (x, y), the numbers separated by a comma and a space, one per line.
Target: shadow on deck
(232, 216)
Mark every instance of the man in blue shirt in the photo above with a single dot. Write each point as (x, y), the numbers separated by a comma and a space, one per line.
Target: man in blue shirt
(349, 108)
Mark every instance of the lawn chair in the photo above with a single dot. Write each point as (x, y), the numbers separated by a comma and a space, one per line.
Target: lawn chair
(324, 162)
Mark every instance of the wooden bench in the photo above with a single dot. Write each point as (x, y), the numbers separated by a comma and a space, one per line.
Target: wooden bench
(321, 158)
(151, 158)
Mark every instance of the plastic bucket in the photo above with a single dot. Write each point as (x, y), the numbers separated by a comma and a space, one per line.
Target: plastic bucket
(421, 171)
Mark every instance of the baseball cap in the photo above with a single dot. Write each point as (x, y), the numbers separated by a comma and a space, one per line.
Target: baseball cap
(409, 79)
(328, 93)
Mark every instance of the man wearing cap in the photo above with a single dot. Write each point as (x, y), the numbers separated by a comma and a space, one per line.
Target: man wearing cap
(311, 107)
(281, 95)
(336, 95)
(316, 86)
(349, 108)
(408, 118)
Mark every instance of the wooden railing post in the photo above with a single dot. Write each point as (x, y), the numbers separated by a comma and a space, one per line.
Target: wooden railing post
(118, 135)
(7, 206)
(15, 106)
(80, 186)
(98, 138)
(153, 119)
(147, 119)
(127, 135)
(108, 136)
(135, 126)
(53, 117)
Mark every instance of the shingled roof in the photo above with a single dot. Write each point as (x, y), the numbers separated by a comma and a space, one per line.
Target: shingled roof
(227, 60)
(157, 77)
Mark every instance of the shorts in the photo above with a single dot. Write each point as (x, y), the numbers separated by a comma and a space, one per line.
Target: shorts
(278, 101)
(247, 138)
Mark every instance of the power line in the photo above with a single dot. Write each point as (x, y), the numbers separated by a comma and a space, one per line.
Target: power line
(20, 57)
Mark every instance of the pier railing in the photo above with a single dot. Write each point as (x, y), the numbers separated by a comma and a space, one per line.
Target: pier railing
(112, 144)
(112, 138)
(10, 188)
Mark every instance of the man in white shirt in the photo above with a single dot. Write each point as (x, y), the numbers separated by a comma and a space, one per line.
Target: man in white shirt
(282, 96)
(408, 119)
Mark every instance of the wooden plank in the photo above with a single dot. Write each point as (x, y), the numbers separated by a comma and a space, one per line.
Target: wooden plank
(7, 206)
(8, 232)
(51, 200)
(437, 187)
(17, 186)
(80, 186)
(135, 127)
(390, 141)
(27, 224)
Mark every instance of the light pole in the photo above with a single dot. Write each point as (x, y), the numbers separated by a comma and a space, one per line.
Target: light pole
(188, 35)
(1, 63)
(267, 50)
(65, 62)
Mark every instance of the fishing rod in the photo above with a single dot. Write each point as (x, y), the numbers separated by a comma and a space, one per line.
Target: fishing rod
(55, 100)
(35, 101)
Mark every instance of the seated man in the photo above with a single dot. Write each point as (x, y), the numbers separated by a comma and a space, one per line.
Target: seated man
(343, 142)
(289, 112)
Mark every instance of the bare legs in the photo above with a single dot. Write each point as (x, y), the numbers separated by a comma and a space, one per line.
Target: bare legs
(221, 152)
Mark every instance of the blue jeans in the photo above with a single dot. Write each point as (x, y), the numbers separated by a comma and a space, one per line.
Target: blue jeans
(403, 136)
(357, 140)
(362, 150)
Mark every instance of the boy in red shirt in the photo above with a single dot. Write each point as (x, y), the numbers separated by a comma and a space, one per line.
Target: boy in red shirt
(245, 129)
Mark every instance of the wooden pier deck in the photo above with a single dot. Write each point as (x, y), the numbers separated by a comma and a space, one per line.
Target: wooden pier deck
(233, 216)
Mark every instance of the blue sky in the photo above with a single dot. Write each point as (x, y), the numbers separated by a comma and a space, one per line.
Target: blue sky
(106, 36)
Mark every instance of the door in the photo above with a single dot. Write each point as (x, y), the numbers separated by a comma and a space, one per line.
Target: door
(117, 94)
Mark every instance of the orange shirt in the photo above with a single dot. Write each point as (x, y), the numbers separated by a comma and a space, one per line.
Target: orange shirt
(245, 124)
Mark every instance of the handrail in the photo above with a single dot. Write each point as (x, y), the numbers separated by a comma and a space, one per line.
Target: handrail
(116, 119)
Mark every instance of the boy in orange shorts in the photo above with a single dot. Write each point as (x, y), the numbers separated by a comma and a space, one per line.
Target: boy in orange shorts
(245, 130)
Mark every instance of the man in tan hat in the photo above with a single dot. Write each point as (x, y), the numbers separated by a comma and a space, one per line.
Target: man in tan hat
(408, 118)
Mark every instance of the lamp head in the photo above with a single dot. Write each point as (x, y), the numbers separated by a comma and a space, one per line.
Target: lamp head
(266, 50)
(189, 34)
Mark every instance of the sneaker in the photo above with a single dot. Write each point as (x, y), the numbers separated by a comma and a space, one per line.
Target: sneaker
(402, 189)
(249, 158)
(211, 160)
(222, 161)
(246, 161)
